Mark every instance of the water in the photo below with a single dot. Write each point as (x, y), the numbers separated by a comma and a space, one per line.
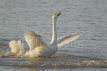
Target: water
(88, 17)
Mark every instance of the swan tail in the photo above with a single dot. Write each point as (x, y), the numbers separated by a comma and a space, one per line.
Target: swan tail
(66, 39)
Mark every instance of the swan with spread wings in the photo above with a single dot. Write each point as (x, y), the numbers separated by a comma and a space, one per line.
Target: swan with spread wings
(39, 48)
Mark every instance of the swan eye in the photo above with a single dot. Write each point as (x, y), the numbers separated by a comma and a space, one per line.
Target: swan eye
(58, 14)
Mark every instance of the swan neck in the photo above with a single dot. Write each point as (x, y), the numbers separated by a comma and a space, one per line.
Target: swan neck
(54, 32)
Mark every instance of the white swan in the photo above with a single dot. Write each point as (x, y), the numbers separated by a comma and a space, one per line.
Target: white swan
(39, 48)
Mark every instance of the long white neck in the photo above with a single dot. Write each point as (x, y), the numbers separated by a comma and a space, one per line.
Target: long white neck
(54, 32)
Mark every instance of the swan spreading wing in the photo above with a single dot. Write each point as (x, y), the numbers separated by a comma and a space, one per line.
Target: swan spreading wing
(37, 46)
(34, 40)
(66, 39)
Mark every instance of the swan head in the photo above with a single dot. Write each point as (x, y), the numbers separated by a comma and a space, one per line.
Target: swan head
(55, 16)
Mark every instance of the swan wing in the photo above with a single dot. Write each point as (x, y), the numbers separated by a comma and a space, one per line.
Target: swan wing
(66, 39)
(34, 40)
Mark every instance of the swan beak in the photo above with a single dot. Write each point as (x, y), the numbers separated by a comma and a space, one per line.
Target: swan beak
(58, 14)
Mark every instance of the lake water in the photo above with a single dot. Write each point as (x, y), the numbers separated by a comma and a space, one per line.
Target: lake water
(87, 17)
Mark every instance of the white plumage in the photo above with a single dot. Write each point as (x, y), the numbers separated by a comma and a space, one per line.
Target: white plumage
(37, 45)
(66, 39)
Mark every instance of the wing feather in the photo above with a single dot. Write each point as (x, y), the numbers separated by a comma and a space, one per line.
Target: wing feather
(66, 39)
(34, 40)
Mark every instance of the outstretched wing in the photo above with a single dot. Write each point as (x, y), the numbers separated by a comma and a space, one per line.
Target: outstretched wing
(34, 40)
(66, 39)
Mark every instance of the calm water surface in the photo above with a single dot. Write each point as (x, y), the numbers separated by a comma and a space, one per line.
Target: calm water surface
(87, 17)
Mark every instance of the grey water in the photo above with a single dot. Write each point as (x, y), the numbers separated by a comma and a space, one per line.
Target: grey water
(87, 17)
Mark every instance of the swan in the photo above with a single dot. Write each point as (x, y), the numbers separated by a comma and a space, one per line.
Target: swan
(38, 47)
